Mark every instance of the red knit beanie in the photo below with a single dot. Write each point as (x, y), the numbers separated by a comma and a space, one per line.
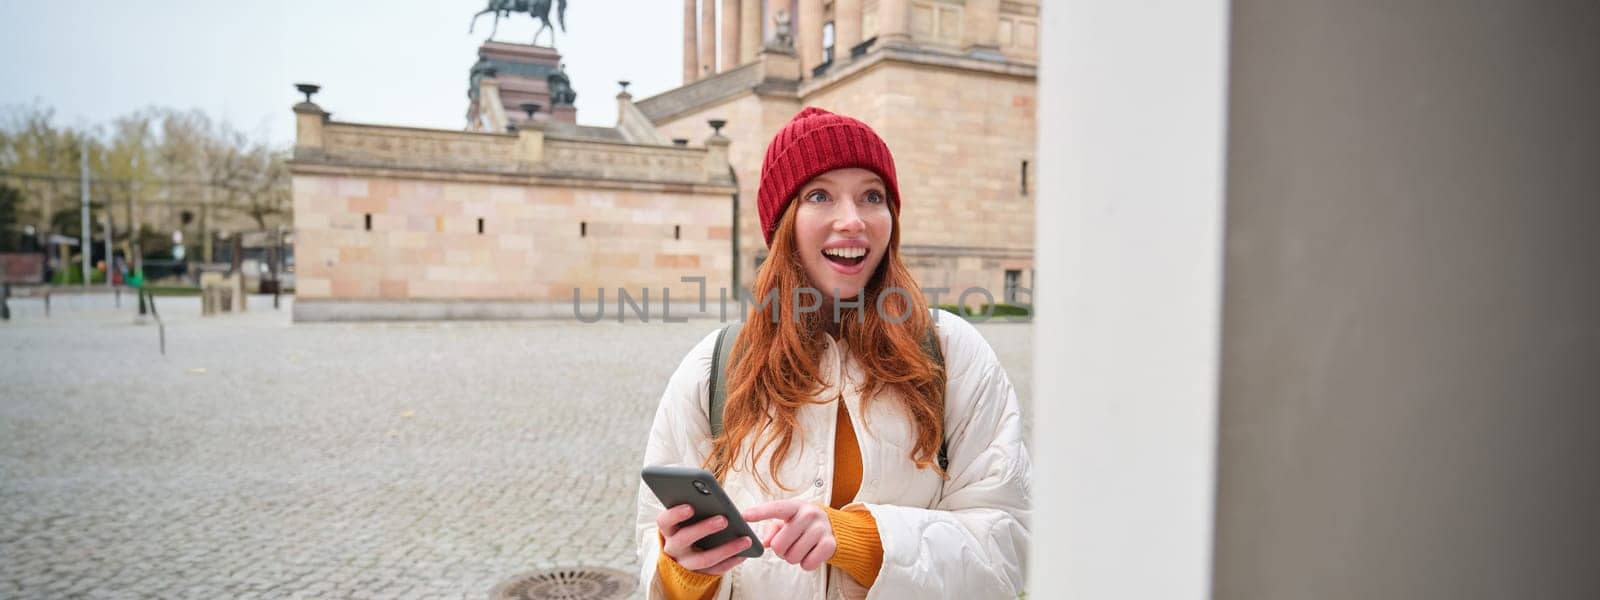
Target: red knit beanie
(812, 143)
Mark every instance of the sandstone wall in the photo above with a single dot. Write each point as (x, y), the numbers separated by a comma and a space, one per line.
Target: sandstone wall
(537, 242)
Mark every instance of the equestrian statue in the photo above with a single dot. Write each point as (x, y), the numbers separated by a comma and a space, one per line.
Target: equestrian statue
(538, 9)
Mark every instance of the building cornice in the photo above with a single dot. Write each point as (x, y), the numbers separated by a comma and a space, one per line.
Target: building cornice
(457, 175)
(917, 57)
(938, 250)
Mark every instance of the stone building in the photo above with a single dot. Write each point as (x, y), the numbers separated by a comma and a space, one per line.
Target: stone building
(949, 84)
(509, 217)
(408, 223)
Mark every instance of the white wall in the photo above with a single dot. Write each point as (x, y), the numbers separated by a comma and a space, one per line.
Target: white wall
(1131, 109)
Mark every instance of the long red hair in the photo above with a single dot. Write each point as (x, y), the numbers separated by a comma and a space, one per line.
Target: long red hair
(778, 372)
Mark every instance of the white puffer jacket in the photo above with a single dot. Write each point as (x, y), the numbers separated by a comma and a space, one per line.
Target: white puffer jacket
(962, 538)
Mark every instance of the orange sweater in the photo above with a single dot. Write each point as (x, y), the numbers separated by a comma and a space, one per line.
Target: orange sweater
(859, 553)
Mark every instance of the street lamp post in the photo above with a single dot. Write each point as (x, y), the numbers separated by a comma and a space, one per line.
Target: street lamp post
(86, 246)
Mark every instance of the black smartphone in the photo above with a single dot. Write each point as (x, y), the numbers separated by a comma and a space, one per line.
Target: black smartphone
(699, 489)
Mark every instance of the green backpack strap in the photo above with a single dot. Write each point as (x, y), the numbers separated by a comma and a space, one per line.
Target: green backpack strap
(719, 374)
(930, 347)
(723, 353)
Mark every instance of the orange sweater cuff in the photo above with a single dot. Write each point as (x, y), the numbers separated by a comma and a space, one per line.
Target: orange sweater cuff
(682, 584)
(860, 551)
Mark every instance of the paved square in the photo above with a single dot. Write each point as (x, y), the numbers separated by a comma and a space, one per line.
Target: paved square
(376, 460)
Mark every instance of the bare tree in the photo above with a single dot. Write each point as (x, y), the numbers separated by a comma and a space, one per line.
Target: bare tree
(168, 162)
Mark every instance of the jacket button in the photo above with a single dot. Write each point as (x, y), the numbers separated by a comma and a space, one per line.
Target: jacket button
(818, 482)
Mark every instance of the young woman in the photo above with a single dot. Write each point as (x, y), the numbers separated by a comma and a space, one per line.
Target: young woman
(836, 419)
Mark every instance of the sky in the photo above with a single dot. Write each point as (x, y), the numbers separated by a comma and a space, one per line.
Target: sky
(396, 62)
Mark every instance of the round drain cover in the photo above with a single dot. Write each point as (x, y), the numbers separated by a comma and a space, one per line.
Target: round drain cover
(566, 584)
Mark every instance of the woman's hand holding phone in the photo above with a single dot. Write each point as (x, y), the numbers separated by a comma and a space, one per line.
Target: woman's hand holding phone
(679, 541)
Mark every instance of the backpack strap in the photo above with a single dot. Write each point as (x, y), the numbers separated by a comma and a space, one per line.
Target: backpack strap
(719, 374)
(930, 347)
(721, 361)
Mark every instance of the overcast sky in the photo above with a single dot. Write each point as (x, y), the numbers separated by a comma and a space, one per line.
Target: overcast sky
(401, 62)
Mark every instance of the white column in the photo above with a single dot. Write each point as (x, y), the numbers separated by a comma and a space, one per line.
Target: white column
(1129, 279)
(846, 28)
(708, 38)
(893, 23)
(749, 30)
(691, 44)
(808, 36)
(730, 35)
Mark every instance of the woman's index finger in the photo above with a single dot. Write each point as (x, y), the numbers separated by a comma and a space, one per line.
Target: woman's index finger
(777, 509)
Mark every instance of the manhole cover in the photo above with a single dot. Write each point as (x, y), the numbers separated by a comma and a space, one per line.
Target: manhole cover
(566, 584)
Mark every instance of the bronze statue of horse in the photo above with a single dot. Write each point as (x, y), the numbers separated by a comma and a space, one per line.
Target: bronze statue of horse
(538, 9)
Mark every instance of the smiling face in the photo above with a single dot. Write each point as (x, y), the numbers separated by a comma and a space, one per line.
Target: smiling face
(842, 226)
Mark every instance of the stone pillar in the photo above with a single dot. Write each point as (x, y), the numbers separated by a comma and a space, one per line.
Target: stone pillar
(308, 121)
(730, 35)
(846, 28)
(530, 144)
(490, 106)
(808, 36)
(893, 21)
(749, 30)
(779, 64)
(624, 100)
(691, 45)
(717, 158)
(980, 27)
(708, 38)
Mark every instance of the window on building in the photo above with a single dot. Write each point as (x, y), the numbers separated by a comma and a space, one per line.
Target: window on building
(1024, 177)
(583, 229)
(1013, 281)
(480, 226)
(827, 42)
(677, 232)
(369, 222)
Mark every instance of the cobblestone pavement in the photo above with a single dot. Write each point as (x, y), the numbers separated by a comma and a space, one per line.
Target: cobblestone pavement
(376, 460)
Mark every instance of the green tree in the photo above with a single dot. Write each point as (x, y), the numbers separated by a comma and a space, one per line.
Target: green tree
(10, 223)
